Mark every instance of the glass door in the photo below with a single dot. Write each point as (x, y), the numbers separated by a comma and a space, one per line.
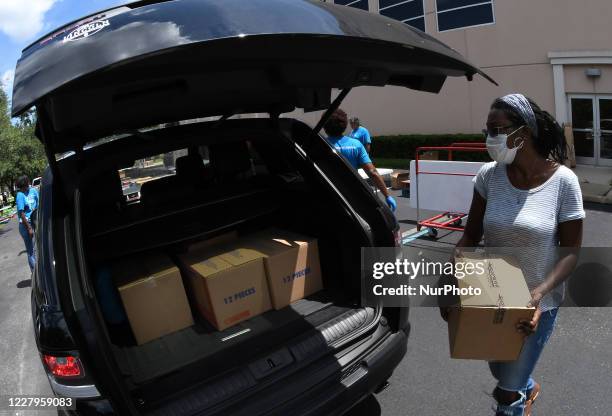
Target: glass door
(583, 114)
(603, 131)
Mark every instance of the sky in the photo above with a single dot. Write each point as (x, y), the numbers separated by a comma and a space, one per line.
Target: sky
(24, 21)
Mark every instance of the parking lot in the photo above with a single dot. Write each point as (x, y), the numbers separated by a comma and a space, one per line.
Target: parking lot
(22, 372)
(574, 370)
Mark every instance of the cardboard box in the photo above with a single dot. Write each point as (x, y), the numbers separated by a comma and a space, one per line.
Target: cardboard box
(228, 283)
(292, 265)
(397, 178)
(570, 162)
(225, 238)
(153, 296)
(484, 326)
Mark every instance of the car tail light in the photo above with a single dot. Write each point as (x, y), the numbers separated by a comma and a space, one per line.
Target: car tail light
(67, 366)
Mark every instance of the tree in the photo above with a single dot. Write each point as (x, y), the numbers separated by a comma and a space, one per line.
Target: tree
(21, 153)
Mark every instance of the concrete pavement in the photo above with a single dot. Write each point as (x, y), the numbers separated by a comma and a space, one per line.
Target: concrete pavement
(22, 371)
(595, 183)
(575, 369)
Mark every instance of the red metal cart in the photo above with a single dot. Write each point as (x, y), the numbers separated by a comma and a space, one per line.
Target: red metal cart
(446, 220)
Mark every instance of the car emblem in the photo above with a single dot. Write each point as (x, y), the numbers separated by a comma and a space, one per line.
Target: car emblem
(86, 30)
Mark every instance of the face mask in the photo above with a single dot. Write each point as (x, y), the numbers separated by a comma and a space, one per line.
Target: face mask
(499, 150)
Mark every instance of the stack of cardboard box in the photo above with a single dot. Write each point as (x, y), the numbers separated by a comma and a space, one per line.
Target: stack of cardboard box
(399, 179)
(246, 277)
(229, 280)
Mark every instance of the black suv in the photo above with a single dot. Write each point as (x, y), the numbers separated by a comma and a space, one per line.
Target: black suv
(123, 94)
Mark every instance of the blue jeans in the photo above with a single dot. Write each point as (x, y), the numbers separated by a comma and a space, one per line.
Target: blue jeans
(515, 375)
(29, 245)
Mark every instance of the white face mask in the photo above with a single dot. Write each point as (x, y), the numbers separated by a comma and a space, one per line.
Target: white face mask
(499, 150)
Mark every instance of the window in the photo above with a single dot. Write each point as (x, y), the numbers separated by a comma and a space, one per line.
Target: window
(456, 14)
(359, 4)
(146, 170)
(411, 12)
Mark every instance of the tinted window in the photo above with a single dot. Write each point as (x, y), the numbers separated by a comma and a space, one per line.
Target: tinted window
(582, 113)
(146, 170)
(605, 114)
(455, 14)
(359, 4)
(410, 12)
(419, 23)
(453, 4)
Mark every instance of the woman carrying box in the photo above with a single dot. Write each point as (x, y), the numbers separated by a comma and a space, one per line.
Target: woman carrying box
(526, 198)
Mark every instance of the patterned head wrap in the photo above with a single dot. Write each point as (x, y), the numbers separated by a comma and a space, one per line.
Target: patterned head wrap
(521, 105)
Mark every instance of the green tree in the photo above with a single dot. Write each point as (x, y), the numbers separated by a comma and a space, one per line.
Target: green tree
(21, 153)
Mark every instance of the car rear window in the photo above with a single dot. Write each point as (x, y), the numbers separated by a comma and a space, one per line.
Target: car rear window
(152, 178)
(152, 168)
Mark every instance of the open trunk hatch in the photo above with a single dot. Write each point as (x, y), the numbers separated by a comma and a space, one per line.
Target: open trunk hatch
(156, 62)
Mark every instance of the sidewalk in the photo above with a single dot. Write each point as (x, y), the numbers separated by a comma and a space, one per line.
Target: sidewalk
(595, 182)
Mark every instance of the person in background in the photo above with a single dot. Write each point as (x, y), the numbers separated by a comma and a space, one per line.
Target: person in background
(360, 133)
(354, 152)
(527, 202)
(27, 202)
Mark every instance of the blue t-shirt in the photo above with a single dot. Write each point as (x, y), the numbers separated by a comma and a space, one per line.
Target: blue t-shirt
(351, 149)
(27, 203)
(362, 134)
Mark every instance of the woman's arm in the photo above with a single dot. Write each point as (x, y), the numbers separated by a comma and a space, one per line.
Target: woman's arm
(570, 238)
(373, 174)
(474, 228)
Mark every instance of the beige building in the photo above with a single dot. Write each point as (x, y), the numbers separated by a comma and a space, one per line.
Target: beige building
(559, 52)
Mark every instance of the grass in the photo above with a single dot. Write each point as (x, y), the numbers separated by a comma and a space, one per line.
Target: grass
(381, 162)
(6, 211)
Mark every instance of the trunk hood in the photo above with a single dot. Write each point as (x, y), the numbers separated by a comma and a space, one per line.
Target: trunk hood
(153, 62)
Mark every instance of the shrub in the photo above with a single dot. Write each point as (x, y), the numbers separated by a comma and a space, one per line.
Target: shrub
(404, 146)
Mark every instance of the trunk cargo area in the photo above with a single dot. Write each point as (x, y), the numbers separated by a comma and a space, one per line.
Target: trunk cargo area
(144, 363)
(190, 206)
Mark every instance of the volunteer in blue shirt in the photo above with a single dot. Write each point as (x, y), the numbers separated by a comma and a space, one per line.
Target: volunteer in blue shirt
(354, 152)
(27, 202)
(360, 133)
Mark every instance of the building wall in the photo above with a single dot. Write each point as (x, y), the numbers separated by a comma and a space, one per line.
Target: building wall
(576, 82)
(514, 51)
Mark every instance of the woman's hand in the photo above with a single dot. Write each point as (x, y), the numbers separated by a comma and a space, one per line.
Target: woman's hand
(526, 327)
(30, 232)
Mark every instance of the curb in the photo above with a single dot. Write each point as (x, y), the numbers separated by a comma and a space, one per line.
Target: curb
(595, 192)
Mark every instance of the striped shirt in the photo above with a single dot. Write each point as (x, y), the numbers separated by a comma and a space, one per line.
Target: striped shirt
(526, 222)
